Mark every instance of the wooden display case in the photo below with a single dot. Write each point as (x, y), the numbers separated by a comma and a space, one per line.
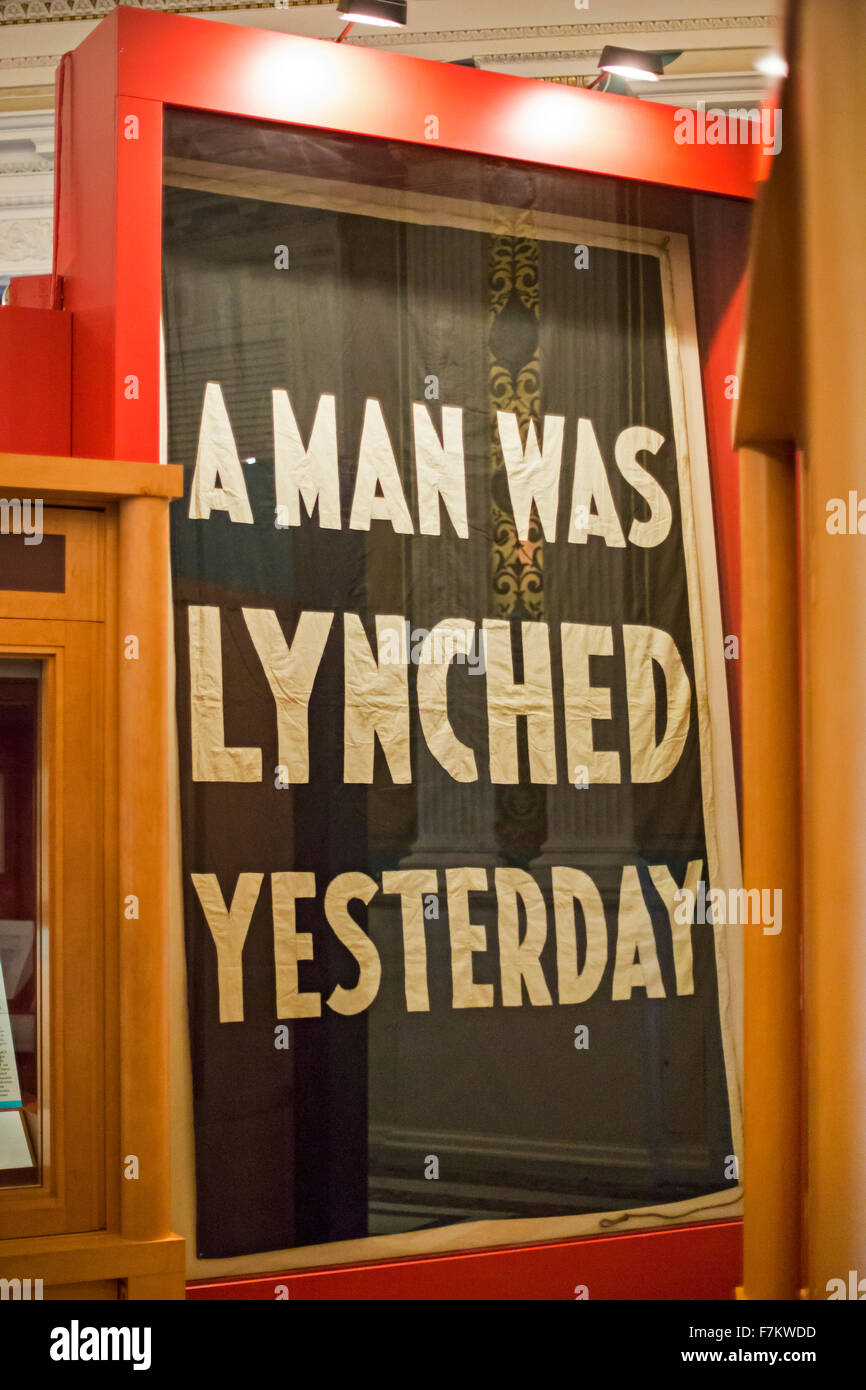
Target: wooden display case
(86, 606)
(113, 94)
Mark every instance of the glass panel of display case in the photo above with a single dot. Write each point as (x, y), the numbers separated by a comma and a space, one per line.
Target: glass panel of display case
(20, 984)
(409, 387)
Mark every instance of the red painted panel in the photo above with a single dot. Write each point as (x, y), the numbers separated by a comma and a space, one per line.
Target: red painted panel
(30, 292)
(109, 205)
(35, 376)
(281, 77)
(138, 278)
(109, 255)
(720, 395)
(687, 1262)
(85, 182)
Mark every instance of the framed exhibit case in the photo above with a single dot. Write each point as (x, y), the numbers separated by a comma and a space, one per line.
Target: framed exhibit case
(448, 360)
(83, 1165)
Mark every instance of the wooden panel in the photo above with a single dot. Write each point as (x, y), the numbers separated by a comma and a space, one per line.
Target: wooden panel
(144, 603)
(85, 570)
(831, 39)
(150, 1286)
(72, 924)
(27, 566)
(58, 478)
(87, 1258)
(772, 855)
(68, 1232)
(107, 1289)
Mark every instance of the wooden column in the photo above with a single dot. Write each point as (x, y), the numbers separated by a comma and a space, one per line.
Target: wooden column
(144, 599)
(832, 41)
(804, 367)
(771, 826)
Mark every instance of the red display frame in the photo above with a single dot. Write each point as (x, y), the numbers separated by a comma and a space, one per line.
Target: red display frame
(112, 91)
(683, 1263)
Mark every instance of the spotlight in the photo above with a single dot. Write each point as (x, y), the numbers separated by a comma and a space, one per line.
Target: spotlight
(617, 64)
(631, 62)
(772, 65)
(389, 13)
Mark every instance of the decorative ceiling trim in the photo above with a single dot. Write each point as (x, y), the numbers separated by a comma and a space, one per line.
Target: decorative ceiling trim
(46, 60)
(53, 11)
(42, 60)
(540, 54)
(49, 11)
(534, 55)
(569, 79)
(26, 166)
(564, 31)
(38, 202)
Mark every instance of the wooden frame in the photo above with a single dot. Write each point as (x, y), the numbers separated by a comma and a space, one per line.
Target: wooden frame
(801, 420)
(71, 1193)
(86, 1224)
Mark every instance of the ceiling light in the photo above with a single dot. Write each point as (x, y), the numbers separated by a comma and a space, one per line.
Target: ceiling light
(772, 65)
(631, 63)
(389, 13)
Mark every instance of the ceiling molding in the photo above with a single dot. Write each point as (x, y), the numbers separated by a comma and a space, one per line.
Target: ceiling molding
(37, 129)
(41, 60)
(36, 201)
(55, 11)
(563, 31)
(548, 55)
(25, 166)
(24, 100)
(531, 55)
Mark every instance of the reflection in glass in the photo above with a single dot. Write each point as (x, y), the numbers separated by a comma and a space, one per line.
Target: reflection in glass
(19, 982)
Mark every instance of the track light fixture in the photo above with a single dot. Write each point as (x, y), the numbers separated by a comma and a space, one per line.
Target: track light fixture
(631, 63)
(389, 13)
(619, 64)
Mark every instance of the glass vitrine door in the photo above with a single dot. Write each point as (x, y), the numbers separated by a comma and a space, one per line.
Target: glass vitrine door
(21, 982)
(55, 833)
